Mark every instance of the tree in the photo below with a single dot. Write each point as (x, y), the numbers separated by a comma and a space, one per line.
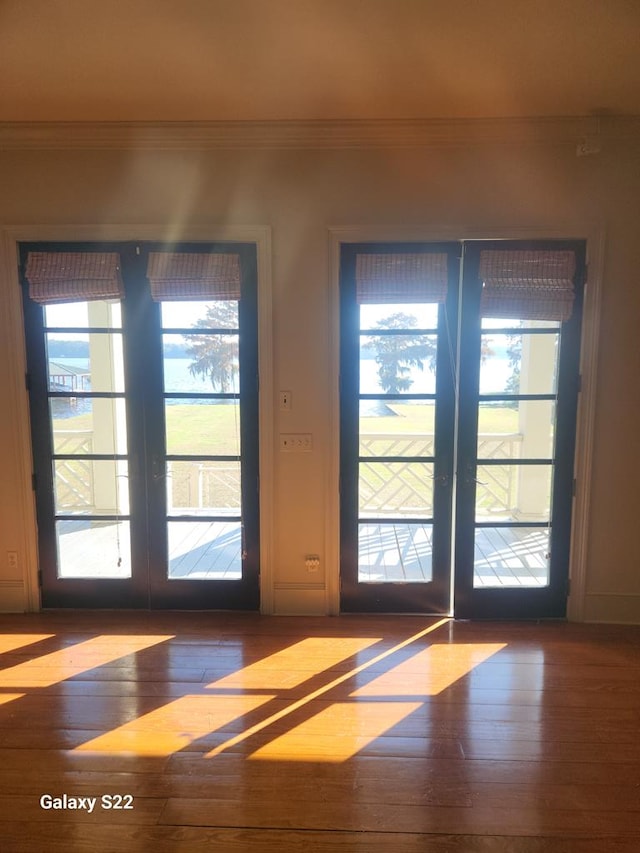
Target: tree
(397, 354)
(215, 356)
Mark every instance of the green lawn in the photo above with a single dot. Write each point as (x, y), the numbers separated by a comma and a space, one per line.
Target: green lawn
(419, 419)
(213, 429)
(192, 429)
(203, 429)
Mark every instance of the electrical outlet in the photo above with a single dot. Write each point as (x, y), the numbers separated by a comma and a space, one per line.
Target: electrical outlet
(588, 146)
(296, 442)
(312, 562)
(12, 561)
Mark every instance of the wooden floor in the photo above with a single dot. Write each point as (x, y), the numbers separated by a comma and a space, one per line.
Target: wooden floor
(248, 734)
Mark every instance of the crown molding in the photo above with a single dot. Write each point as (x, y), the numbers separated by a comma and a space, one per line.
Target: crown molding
(361, 134)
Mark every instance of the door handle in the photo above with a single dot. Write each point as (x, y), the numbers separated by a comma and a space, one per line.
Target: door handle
(443, 479)
(470, 477)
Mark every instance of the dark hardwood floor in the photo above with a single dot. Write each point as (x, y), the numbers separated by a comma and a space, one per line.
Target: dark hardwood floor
(246, 733)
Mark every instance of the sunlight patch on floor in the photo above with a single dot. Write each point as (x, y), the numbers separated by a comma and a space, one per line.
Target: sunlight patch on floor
(295, 664)
(430, 671)
(174, 726)
(324, 689)
(5, 698)
(52, 668)
(337, 733)
(11, 642)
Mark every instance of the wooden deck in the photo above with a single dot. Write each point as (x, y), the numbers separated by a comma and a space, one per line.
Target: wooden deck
(198, 550)
(393, 552)
(511, 557)
(205, 550)
(88, 549)
(400, 553)
(358, 734)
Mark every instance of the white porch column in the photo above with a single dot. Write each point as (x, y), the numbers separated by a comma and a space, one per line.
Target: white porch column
(535, 424)
(109, 434)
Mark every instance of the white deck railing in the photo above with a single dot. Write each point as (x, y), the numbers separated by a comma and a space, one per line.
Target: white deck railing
(403, 488)
(74, 477)
(385, 488)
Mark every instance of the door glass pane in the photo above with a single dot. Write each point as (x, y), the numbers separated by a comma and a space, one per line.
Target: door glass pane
(205, 550)
(203, 364)
(518, 323)
(518, 363)
(421, 315)
(88, 548)
(207, 427)
(513, 492)
(522, 429)
(511, 557)
(397, 489)
(84, 315)
(88, 425)
(395, 552)
(515, 363)
(89, 361)
(396, 428)
(398, 363)
(203, 488)
(221, 314)
(91, 486)
(395, 359)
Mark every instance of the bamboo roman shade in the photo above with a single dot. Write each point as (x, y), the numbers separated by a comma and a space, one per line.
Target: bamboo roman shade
(177, 276)
(527, 284)
(401, 277)
(73, 276)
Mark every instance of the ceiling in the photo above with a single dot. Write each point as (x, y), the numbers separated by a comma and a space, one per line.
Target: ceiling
(263, 60)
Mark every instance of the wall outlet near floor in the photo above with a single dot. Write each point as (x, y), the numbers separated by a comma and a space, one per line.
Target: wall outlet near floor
(312, 562)
(12, 561)
(296, 442)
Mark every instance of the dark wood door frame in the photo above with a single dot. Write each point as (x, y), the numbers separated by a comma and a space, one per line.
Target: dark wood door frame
(148, 585)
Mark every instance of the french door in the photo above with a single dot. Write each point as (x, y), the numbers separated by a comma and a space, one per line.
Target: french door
(459, 386)
(396, 429)
(143, 382)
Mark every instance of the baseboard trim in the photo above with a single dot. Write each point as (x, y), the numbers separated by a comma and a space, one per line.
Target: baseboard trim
(12, 596)
(617, 608)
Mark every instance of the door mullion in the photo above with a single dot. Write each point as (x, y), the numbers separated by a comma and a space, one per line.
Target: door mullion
(349, 440)
(139, 367)
(565, 439)
(466, 433)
